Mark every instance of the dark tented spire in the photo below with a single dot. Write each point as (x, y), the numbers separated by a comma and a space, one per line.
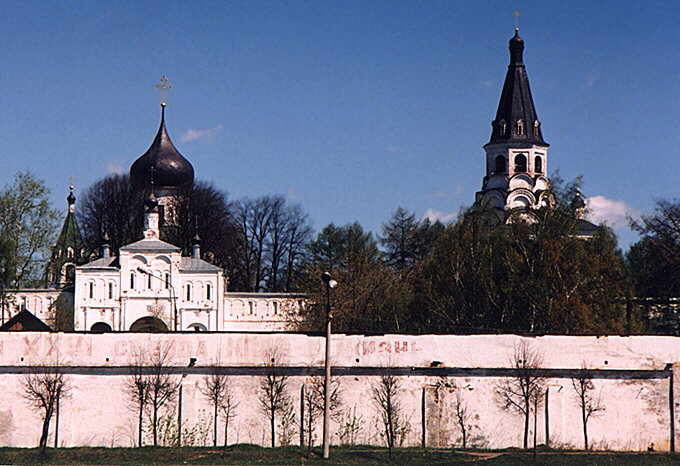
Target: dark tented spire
(516, 119)
(68, 251)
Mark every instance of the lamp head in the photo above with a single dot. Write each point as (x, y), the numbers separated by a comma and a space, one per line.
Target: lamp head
(332, 283)
(326, 278)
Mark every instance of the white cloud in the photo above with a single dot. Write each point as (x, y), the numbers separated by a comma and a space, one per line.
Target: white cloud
(114, 168)
(197, 134)
(613, 213)
(433, 215)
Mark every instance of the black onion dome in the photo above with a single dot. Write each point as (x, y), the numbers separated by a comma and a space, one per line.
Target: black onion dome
(162, 165)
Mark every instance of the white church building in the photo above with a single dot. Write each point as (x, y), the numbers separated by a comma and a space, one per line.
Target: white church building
(149, 286)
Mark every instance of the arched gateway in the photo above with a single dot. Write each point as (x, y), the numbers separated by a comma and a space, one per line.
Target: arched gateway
(149, 325)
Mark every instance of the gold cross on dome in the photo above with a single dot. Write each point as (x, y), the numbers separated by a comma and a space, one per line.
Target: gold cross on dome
(163, 86)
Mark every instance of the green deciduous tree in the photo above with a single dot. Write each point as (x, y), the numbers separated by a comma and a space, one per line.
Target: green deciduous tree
(27, 228)
(654, 261)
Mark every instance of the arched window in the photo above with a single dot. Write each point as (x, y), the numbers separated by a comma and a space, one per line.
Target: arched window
(110, 290)
(91, 290)
(167, 280)
(503, 126)
(520, 128)
(538, 164)
(69, 253)
(188, 291)
(208, 292)
(132, 280)
(536, 126)
(70, 273)
(250, 305)
(520, 163)
(276, 307)
(500, 164)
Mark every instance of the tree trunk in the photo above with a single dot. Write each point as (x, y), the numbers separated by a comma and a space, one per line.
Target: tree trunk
(273, 428)
(464, 438)
(215, 426)
(226, 429)
(141, 417)
(527, 413)
(585, 425)
(309, 430)
(155, 426)
(45, 431)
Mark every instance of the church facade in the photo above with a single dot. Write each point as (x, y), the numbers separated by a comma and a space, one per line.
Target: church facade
(149, 286)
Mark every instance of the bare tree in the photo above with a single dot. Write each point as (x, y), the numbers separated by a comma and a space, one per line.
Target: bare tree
(385, 393)
(273, 394)
(215, 387)
(590, 404)
(162, 386)
(313, 400)
(273, 238)
(43, 391)
(517, 393)
(137, 389)
(228, 409)
(463, 416)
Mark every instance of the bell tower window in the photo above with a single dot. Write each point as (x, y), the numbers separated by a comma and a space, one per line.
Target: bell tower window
(500, 165)
(520, 163)
(503, 126)
(538, 164)
(520, 128)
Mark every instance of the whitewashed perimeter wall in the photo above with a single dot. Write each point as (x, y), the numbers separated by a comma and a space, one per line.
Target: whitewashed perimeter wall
(637, 410)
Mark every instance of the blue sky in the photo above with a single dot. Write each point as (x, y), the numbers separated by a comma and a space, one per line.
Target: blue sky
(349, 108)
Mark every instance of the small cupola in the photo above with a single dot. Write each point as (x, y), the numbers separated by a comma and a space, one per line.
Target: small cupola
(106, 246)
(196, 247)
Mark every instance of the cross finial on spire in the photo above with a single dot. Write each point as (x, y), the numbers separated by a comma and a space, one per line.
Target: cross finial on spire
(516, 14)
(163, 86)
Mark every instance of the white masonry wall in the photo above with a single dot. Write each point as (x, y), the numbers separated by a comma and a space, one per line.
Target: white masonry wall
(97, 413)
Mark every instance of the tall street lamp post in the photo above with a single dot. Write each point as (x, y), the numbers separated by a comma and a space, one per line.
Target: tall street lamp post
(329, 283)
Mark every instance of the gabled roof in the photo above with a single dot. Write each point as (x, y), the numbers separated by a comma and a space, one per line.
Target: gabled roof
(103, 262)
(150, 244)
(190, 264)
(25, 321)
(585, 228)
(516, 103)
